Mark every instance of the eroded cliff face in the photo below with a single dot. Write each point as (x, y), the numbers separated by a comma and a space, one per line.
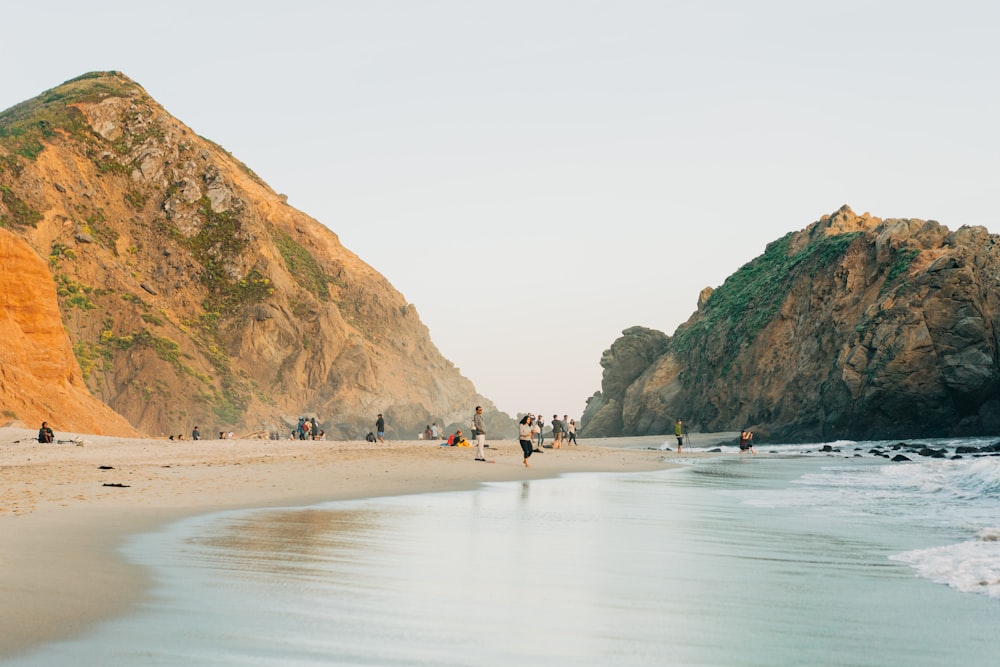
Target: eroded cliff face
(39, 377)
(192, 293)
(855, 327)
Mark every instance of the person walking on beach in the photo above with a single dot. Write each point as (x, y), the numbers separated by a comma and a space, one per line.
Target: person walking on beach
(479, 430)
(524, 431)
(679, 432)
(195, 434)
(538, 428)
(746, 436)
(380, 428)
(571, 432)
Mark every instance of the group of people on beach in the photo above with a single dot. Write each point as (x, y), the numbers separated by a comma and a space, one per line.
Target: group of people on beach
(307, 429)
(531, 434)
(458, 439)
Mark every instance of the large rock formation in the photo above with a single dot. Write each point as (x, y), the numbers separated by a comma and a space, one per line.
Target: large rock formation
(855, 327)
(191, 292)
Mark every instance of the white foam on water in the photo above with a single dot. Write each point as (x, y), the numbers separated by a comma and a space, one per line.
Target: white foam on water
(971, 567)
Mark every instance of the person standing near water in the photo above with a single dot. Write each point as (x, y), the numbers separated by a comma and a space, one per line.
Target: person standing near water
(538, 428)
(479, 430)
(746, 435)
(524, 431)
(380, 428)
(679, 432)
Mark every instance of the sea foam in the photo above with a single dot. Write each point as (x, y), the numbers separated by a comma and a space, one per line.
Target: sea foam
(970, 567)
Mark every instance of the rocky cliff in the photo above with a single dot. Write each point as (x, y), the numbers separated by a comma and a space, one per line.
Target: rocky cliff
(188, 290)
(854, 327)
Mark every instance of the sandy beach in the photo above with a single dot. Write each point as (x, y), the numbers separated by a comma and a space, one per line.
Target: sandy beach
(66, 507)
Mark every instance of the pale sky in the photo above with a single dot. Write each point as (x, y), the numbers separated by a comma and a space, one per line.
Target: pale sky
(536, 176)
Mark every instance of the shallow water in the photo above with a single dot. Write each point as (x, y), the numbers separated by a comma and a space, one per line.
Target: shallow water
(767, 560)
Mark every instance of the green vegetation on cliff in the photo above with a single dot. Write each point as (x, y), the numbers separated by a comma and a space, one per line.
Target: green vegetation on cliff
(749, 299)
(302, 265)
(24, 128)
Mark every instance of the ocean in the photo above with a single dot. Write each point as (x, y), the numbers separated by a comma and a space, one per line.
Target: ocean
(791, 557)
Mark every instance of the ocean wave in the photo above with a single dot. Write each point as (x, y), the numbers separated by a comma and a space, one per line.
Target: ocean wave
(970, 567)
(965, 479)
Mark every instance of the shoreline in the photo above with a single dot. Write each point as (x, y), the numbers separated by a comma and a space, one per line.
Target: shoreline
(66, 507)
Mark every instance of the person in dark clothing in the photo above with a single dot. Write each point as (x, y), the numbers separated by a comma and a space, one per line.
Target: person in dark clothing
(45, 433)
(524, 438)
(380, 428)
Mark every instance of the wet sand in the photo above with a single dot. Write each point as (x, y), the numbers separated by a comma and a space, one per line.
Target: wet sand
(66, 507)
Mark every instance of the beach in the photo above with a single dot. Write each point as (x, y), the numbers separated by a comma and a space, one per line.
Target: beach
(66, 507)
(620, 550)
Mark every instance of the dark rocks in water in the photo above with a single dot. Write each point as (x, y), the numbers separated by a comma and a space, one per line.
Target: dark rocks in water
(715, 451)
(932, 453)
(968, 449)
(900, 457)
(829, 448)
(957, 456)
(876, 452)
(899, 445)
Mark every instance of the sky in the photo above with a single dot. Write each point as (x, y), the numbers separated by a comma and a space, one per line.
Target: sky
(537, 176)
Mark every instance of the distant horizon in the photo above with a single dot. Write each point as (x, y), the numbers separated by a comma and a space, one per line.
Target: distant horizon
(538, 177)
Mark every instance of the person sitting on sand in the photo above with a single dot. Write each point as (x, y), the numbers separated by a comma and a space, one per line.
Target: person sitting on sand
(370, 437)
(746, 436)
(458, 440)
(45, 434)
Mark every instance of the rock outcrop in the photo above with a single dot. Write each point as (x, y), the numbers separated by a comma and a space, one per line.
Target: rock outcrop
(191, 292)
(855, 327)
